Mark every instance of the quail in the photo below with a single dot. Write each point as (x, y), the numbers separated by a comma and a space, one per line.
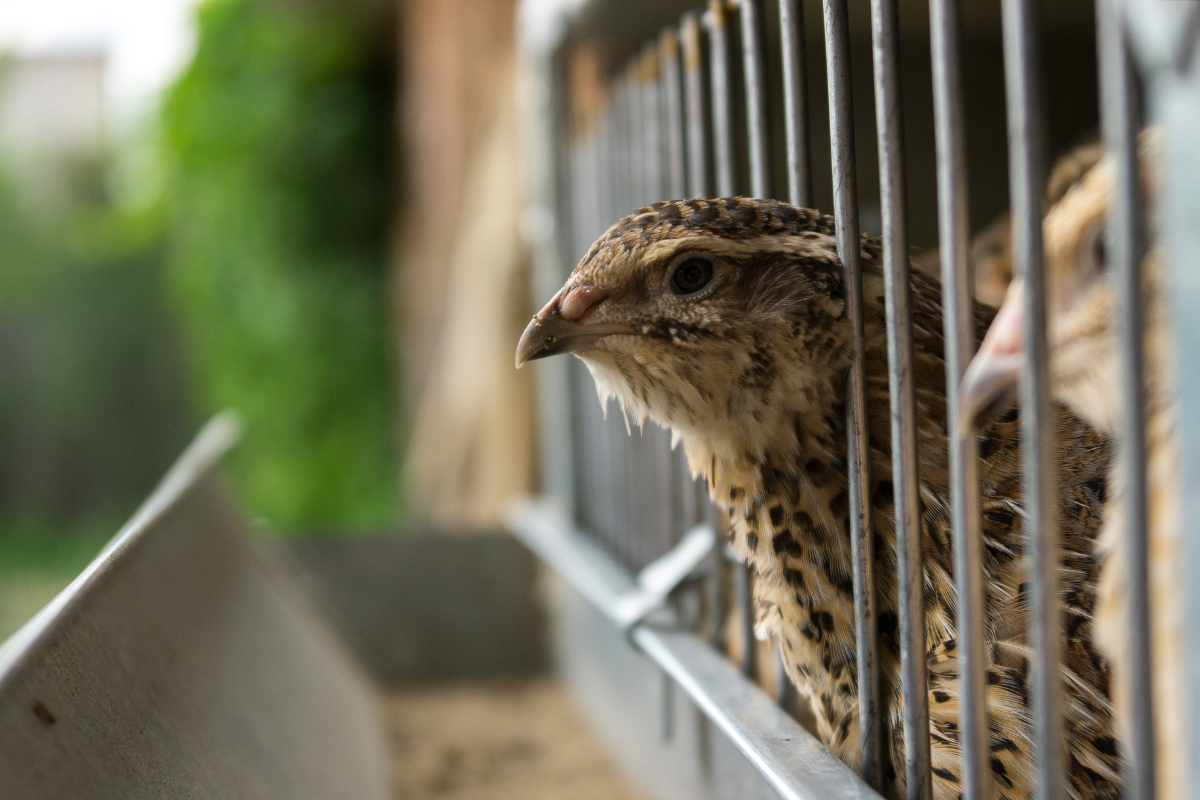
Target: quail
(1084, 375)
(722, 319)
(990, 257)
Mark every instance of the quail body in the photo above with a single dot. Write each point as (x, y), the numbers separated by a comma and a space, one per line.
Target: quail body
(723, 320)
(1084, 372)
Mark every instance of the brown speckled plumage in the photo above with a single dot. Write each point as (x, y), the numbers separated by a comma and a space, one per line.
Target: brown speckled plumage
(1085, 370)
(750, 373)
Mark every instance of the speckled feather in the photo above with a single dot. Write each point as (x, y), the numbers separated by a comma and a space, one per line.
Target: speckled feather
(1085, 371)
(750, 375)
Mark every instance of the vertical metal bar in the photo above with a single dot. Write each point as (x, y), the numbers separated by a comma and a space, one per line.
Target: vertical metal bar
(845, 203)
(716, 588)
(743, 592)
(666, 707)
(620, 145)
(795, 104)
(784, 688)
(618, 440)
(885, 52)
(959, 326)
(689, 494)
(598, 477)
(665, 476)
(757, 133)
(593, 479)
(651, 126)
(604, 149)
(722, 109)
(635, 166)
(672, 95)
(653, 483)
(1026, 180)
(697, 136)
(1174, 94)
(1119, 119)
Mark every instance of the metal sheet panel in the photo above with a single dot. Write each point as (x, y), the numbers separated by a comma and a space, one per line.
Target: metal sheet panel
(430, 606)
(181, 664)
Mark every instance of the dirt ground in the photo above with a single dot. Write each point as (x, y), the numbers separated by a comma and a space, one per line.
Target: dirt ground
(513, 740)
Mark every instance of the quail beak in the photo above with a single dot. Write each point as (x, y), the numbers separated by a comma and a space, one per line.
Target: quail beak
(989, 385)
(562, 326)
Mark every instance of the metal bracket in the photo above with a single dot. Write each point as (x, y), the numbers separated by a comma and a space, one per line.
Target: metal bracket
(794, 763)
(545, 530)
(1165, 33)
(660, 578)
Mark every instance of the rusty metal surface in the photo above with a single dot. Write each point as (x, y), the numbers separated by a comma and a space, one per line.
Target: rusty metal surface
(181, 663)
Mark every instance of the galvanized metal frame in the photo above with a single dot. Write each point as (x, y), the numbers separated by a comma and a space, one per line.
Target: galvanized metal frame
(1027, 176)
(957, 318)
(902, 395)
(667, 128)
(862, 539)
(184, 662)
(1120, 120)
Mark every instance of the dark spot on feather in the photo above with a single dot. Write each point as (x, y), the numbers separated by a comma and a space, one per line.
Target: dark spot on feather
(1098, 487)
(940, 697)
(842, 582)
(843, 728)
(1001, 773)
(884, 494)
(945, 774)
(785, 543)
(794, 578)
(1106, 745)
(776, 515)
(743, 215)
(839, 504)
(988, 445)
(818, 472)
(1000, 516)
(1005, 743)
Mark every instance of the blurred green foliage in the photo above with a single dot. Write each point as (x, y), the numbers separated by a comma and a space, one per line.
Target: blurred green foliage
(93, 405)
(277, 140)
(229, 255)
(92, 391)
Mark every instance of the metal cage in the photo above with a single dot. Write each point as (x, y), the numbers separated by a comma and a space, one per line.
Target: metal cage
(631, 104)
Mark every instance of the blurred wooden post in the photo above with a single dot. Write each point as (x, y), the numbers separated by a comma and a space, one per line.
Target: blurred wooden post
(459, 289)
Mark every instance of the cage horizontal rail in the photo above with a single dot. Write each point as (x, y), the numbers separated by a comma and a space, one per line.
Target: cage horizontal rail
(794, 763)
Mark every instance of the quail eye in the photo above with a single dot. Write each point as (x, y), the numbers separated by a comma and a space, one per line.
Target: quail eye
(1100, 252)
(692, 275)
(1094, 255)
